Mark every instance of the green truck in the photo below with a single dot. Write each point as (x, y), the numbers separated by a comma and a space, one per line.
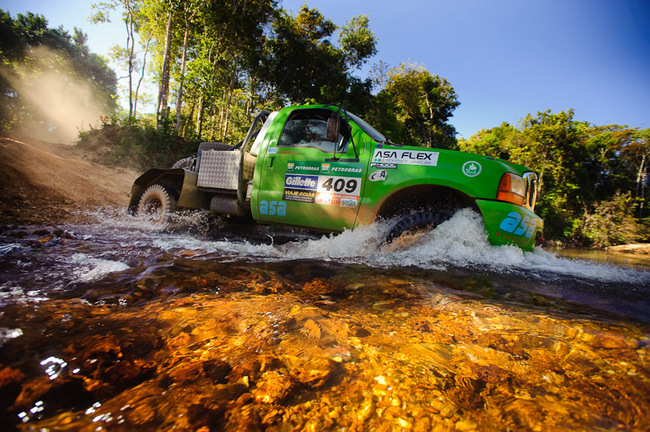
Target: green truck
(322, 168)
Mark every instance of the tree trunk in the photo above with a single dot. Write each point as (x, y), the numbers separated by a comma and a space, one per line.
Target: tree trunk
(163, 95)
(144, 68)
(179, 97)
(130, 46)
(640, 185)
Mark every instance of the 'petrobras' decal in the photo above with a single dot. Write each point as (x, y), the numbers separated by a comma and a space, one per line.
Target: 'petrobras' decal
(338, 168)
(515, 224)
(407, 157)
(347, 170)
(296, 181)
(377, 176)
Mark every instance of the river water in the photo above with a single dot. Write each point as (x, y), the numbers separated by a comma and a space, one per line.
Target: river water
(114, 325)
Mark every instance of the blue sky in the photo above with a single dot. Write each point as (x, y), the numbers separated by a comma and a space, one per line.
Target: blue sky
(504, 58)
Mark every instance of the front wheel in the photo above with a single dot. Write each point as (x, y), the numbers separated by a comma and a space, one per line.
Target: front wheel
(157, 204)
(414, 223)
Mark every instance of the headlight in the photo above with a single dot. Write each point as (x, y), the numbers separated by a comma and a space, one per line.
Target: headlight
(512, 189)
(533, 186)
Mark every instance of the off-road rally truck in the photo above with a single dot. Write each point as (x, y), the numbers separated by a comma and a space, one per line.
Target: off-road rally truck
(322, 168)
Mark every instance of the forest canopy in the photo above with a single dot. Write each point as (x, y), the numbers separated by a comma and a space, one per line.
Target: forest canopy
(215, 64)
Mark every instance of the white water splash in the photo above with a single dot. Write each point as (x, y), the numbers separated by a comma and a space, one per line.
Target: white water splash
(460, 241)
(7, 248)
(88, 268)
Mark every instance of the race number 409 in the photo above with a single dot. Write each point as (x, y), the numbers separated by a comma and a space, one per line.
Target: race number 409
(347, 185)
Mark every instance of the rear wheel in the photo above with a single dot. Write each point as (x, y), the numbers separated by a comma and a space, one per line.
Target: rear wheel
(157, 204)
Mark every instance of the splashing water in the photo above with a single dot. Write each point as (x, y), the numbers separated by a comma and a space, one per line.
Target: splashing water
(458, 242)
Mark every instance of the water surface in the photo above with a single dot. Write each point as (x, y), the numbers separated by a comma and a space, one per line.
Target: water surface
(117, 326)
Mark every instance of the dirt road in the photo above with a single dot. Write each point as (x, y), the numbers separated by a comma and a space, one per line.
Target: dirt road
(48, 183)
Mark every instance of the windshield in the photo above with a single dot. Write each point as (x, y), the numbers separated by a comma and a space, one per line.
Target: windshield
(369, 130)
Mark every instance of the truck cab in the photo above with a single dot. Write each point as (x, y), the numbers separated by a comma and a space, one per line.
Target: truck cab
(323, 168)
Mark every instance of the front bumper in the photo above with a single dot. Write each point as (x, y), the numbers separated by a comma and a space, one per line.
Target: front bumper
(507, 223)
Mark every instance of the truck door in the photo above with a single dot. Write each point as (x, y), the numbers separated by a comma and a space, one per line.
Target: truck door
(302, 183)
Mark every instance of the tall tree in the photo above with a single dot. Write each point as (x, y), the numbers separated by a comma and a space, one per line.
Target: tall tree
(128, 56)
(414, 108)
(163, 93)
(301, 62)
(189, 11)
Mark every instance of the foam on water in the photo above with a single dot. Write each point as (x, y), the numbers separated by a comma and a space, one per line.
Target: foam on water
(460, 242)
(7, 248)
(88, 268)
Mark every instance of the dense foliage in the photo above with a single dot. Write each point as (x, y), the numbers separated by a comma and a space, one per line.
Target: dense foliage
(593, 178)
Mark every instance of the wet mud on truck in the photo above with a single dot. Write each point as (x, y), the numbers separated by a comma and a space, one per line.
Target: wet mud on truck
(320, 168)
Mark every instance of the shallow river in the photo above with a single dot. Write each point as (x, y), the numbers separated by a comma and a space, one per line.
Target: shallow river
(112, 325)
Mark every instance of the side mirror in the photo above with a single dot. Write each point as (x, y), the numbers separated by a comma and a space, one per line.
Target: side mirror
(333, 126)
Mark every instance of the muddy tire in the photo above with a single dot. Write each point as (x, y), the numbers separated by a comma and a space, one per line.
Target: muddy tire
(185, 163)
(214, 146)
(413, 223)
(157, 204)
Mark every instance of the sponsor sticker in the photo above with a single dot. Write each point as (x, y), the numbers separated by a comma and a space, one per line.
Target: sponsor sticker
(472, 168)
(337, 200)
(296, 181)
(324, 198)
(315, 168)
(384, 165)
(338, 185)
(273, 208)
(272, 150)
(406, 157)
(515, 224)
(378, 176)
(349, 202)
(299, 195)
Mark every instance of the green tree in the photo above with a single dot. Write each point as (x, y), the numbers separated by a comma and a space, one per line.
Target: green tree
(612, 222)
(302, 64)
(414, 108)
(589, 175)
(357, 42)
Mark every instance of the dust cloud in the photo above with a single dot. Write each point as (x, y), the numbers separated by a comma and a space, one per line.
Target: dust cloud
(56, 104)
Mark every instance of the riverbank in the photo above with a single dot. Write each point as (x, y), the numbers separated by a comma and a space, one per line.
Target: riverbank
(642, 249)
